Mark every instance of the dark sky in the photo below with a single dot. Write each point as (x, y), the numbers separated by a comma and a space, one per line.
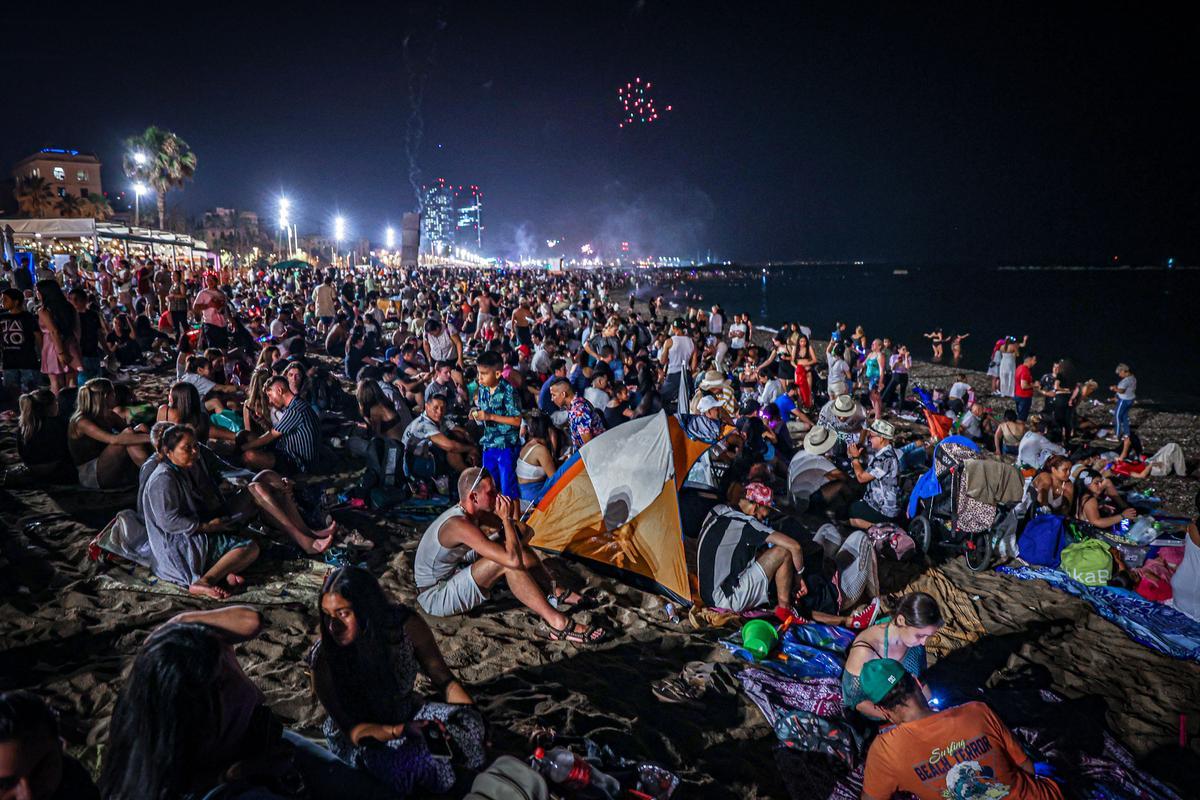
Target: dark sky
(996, 133)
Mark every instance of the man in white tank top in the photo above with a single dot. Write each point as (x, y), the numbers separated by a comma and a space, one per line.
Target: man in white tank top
(457, 564)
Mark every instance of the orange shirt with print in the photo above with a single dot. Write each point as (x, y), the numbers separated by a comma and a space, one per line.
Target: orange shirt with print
(964, 751)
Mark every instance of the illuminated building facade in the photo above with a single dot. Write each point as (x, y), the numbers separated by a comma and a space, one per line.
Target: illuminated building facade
(452, 216)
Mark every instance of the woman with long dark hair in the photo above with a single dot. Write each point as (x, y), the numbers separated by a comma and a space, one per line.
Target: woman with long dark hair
(364, 667)
(184, 407)
(189, 724)
(915, 620)
(59, 321)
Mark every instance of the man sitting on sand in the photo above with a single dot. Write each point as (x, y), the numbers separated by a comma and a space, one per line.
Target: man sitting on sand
(457, 564)
(432, 446)
(739, 558)
(965, 751)
(880, 472)
(291, 446)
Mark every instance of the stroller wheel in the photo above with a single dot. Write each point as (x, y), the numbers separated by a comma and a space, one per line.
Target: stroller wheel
(977, 549)
(921, 531)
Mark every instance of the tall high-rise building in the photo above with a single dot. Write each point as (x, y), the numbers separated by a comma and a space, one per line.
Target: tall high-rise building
(469, 202)
(451, 216)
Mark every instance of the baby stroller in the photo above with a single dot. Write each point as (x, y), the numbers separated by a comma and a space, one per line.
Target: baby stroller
(967, 501)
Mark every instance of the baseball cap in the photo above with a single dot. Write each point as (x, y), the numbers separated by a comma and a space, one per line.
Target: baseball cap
(391, 353)
(759, 493)
(708, 403)
(879, 676)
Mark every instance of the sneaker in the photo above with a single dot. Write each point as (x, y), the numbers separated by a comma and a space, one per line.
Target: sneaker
(864, 618)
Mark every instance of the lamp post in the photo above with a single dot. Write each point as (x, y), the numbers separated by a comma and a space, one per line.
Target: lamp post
(339, 233)
(284, 206)
(139, 189)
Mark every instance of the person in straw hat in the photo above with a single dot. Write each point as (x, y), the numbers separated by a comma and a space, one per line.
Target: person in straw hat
(715, 384)
(879, 470)
(844, 416)
(814, 480)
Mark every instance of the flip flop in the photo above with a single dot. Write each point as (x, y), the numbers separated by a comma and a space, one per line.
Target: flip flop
(357, 540)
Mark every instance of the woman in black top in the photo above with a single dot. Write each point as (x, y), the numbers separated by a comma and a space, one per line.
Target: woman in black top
(42, 437)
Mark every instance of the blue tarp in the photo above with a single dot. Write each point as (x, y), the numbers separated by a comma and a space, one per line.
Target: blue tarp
(1155, 625)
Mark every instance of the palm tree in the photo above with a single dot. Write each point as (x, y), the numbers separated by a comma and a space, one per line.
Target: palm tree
(69, 205)
(96, 206)
(34, 196)
(166, 162)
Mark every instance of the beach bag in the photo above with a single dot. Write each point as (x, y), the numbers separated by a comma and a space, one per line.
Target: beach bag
(801, 730)
(1043, 540)
(1089, 562)
(508, 778)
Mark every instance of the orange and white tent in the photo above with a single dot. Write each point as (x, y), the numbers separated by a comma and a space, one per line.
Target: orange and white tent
(614, 505)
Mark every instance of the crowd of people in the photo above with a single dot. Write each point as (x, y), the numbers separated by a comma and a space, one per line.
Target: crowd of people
(476, 387)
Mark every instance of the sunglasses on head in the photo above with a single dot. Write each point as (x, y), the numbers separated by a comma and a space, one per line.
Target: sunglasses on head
(483, 473)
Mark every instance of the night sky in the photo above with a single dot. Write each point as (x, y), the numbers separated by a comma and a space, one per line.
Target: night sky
(998, 133)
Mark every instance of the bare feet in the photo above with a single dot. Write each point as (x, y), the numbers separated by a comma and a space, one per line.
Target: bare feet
(235, 581)
(325, 533)
(322, 544)
(202, 588)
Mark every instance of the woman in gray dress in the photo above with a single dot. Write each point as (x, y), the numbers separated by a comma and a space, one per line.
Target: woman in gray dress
(189, 550)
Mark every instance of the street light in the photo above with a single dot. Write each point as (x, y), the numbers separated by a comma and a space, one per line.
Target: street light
(139, 189)
(284, 205)
(339, 233)
(139, 158)
(390, 236)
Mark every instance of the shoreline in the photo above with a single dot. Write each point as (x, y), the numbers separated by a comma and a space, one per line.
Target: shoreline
(1156, 425)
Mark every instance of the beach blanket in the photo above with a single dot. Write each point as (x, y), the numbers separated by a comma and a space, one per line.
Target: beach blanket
(1154, 625)
(963, 625)
(300, 583)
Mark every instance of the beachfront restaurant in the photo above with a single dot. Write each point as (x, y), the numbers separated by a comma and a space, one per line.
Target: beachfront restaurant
(57, 239)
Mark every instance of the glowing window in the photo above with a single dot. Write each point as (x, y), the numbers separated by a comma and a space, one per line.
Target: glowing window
(60, 174)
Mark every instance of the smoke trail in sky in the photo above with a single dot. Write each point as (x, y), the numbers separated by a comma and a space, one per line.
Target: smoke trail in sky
(414, 126)
(417, 66)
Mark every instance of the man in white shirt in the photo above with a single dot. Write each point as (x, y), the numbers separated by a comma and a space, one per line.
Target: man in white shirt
(958, 394)
(325, 300)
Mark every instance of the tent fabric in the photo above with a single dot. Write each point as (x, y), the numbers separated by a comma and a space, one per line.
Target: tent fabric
(615, 505)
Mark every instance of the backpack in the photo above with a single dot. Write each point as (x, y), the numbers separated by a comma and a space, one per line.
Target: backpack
(1089, 562)
(1043, 540)
(508, 778)
(808, 732)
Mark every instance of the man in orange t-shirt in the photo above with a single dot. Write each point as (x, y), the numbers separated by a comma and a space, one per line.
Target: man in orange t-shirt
(963, 753)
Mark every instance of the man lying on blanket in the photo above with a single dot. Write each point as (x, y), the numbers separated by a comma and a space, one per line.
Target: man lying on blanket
(962, 752)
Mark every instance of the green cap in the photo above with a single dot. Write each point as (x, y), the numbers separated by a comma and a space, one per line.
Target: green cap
(879, 676)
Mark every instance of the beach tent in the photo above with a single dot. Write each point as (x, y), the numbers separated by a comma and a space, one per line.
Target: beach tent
(614, 505)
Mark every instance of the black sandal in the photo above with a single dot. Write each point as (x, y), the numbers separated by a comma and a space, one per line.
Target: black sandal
(591, 634)
(587, 600)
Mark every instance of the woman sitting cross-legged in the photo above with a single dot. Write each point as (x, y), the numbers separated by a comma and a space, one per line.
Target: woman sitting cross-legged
(267, 491)
(191, 547)
(364, 667)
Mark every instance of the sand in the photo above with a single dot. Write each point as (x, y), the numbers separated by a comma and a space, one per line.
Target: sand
(71, 642)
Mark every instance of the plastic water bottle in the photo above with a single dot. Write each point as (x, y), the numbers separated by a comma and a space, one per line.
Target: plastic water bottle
(564, 768)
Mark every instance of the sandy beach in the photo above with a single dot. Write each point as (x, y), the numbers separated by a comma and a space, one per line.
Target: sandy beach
(69, 638)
